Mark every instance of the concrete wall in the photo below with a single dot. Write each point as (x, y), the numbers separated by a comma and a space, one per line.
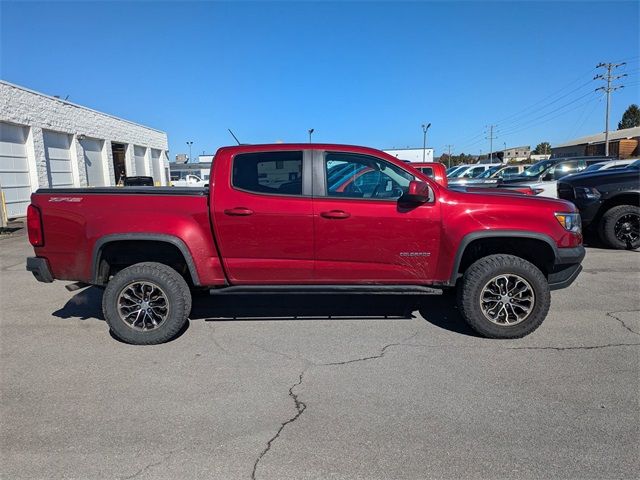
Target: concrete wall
(40, 112)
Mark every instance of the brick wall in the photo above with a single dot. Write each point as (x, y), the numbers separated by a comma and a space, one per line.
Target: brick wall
(40, 112)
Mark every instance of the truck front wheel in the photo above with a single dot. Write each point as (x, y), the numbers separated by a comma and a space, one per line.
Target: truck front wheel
(146, 304)
(504, 296)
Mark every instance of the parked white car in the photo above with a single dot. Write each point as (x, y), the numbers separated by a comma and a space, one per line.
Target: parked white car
(472, 171)
(490, 176)
(189, 181)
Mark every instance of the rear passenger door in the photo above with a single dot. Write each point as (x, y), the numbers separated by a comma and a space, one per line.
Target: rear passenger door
(263, 217)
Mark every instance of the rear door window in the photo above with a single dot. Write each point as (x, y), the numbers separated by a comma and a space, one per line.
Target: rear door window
(428, 171)
(278, 173)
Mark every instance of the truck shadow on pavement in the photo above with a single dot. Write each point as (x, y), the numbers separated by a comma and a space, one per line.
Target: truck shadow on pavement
(439, 310)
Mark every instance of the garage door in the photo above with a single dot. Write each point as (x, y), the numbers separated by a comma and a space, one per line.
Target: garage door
(93, 161)
(157, 167)
(138, 153)
(56, 147)
(14, 169)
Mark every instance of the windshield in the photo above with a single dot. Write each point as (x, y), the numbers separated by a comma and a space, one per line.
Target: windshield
(460, 172)
(635, 164)
(454, 170)
(489, 173)
(594, 167)
(537, 168)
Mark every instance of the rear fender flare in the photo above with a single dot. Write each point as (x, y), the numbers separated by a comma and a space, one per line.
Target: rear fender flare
(157, 237)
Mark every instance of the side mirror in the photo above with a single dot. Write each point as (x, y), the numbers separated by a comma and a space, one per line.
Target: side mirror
(418, 192)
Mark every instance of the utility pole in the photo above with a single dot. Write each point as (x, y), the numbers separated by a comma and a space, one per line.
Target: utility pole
(189, 143)
(491, 138)
(424, 141)
(449, 157)
(608, 77)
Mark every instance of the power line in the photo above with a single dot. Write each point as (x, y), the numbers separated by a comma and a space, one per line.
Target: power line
(475, 139)
(549, 119)
(501, 123)
(582, 119)
(521, 124)
(581, 77)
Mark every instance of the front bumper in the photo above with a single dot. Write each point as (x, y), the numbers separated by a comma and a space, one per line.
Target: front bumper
(40, 269)
(566, 267)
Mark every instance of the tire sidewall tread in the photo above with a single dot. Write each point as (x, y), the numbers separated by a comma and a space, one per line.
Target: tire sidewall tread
(174, 286)
(477, 276)
(608, 223)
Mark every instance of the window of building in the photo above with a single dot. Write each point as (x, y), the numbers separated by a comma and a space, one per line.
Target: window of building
(268, 172)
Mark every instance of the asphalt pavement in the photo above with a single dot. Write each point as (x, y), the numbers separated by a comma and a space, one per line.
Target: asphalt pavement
(302, 387)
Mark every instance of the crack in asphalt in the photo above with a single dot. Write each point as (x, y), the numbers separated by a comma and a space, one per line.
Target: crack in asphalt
(142, 470)
(300, 408)
(622, 322)
(383, 351)
(154, 464)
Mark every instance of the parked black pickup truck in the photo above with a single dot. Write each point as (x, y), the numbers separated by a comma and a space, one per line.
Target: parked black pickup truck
(609, 202)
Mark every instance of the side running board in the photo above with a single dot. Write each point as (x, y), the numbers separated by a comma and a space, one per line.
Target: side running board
(327, 290)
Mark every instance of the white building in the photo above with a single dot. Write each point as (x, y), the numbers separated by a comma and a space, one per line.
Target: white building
(49, 142)
(516, 154)
(412, 154)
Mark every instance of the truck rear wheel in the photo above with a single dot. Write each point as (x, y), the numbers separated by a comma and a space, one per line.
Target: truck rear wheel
(146, 304)
(504, 296)
(620, 227)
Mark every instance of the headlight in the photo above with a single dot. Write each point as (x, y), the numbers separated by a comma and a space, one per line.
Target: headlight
(587, 193)
(570, 221)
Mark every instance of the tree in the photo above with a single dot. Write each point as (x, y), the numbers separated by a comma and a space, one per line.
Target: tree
(543, 148)
(630, 118)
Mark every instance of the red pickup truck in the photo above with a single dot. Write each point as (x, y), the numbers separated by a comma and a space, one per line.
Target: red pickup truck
(305, 218)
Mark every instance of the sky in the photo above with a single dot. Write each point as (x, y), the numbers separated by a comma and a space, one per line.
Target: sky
(357, 72)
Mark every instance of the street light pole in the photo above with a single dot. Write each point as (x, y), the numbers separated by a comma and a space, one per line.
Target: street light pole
(311, 130)
(189, 143)
(424, 141)
(505, 152)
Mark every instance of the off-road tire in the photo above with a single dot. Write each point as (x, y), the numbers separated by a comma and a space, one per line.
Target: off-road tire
(480, 273)
(178, 297)
(607, 225)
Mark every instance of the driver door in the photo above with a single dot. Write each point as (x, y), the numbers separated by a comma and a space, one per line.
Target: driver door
(362, 234)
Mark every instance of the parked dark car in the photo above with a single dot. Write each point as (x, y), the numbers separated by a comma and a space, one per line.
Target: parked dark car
(554, 169)
(138, 181)
(609, 203)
